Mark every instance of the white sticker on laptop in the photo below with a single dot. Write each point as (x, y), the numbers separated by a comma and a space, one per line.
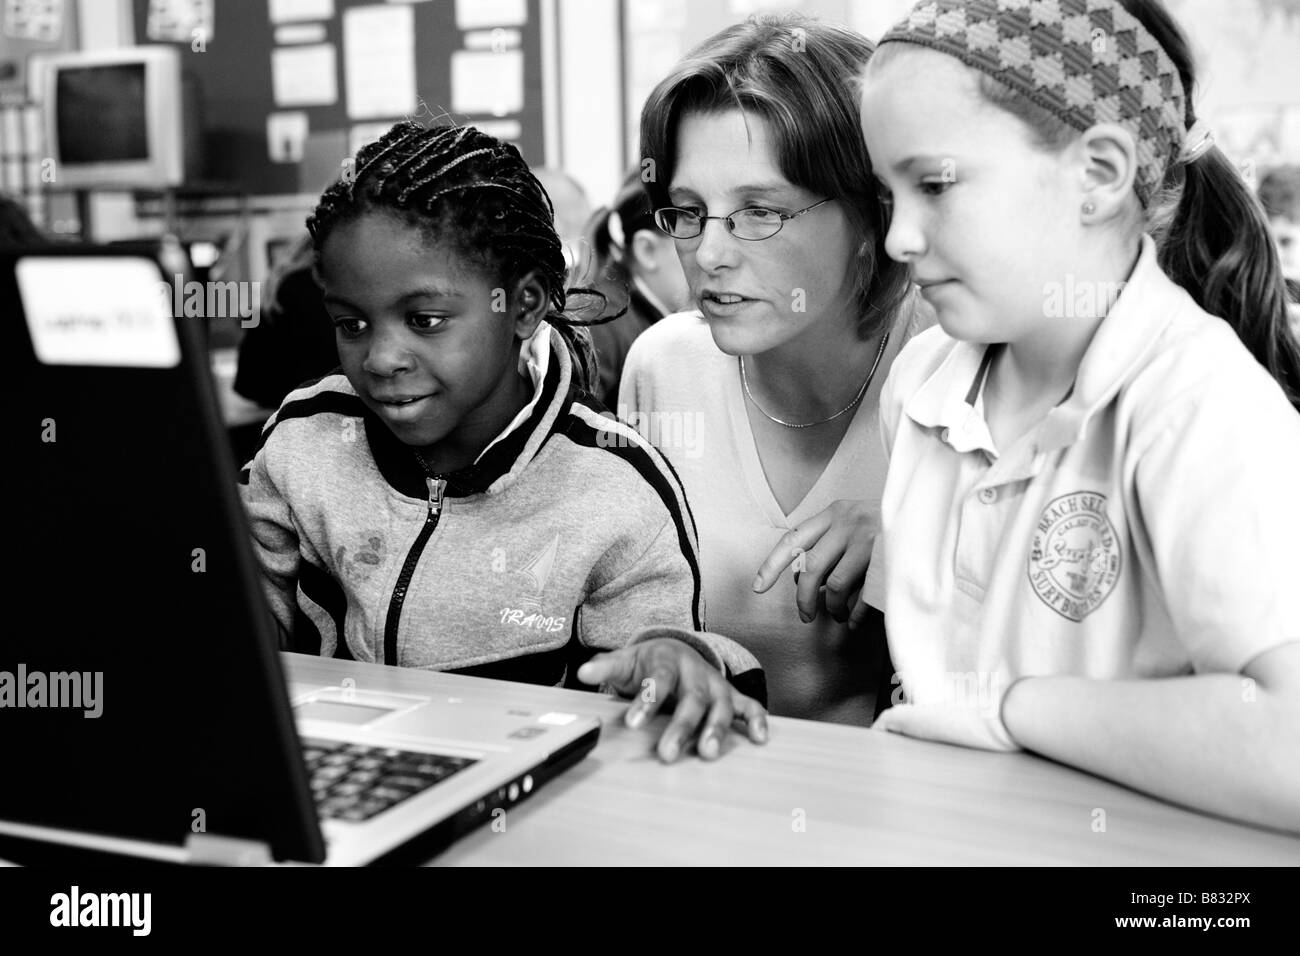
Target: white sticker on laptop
(97, 311)
(557, 719)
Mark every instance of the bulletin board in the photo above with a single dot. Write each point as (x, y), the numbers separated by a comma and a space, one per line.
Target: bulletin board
(280, 83)
(27, 27)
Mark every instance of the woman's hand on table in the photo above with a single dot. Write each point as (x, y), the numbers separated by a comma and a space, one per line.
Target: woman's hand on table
(830, 550)
(656, 671)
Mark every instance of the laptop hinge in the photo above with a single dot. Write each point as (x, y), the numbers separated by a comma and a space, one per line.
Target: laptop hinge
(213, 849)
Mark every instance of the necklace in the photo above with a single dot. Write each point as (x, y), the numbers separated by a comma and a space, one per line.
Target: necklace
(744, 380)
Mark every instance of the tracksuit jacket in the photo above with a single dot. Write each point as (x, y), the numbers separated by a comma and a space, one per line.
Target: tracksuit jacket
(569, 535)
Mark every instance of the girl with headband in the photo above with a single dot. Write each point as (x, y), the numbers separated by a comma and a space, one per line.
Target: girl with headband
(1090, 524)
(454, 499)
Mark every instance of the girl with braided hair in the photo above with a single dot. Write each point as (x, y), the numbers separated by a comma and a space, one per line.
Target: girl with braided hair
(1090, 518)
(454, 499)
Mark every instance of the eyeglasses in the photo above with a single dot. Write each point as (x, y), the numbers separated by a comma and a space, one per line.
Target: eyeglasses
(751, 224)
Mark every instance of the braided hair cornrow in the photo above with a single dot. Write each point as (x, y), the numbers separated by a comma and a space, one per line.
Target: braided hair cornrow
(482, 197)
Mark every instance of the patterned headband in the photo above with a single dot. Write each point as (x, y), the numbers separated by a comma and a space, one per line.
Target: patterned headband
(1086, 61)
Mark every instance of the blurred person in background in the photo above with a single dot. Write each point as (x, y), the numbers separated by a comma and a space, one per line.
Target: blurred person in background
(1279, 194)
(16, 227)
(640, 262)
(572, 207)
(293, 341)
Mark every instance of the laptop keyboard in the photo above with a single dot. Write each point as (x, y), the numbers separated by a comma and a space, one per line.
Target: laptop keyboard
(354, 782)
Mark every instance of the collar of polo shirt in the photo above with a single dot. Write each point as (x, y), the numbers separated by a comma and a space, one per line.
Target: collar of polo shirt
(947, 400)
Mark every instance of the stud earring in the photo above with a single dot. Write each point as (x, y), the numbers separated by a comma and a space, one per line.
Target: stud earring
(1089, 208)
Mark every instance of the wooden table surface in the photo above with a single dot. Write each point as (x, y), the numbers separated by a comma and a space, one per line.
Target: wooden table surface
(820, 794)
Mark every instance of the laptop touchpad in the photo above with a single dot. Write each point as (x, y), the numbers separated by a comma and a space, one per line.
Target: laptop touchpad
(340, 713)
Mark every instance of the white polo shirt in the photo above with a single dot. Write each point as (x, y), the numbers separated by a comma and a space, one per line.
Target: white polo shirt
(1150, 526)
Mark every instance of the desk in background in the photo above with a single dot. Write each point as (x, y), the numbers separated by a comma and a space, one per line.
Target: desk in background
(236, 411)
(866, 798)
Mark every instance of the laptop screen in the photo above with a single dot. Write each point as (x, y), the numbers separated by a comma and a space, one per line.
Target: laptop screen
(140, 690)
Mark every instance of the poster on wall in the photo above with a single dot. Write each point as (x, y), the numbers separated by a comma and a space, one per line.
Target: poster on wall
(286, 136)
(379, 61)
(180, 21)
(33, 20)
(27, 27)
(476, 14)
(304, 75)
(491, 83)
(288, 11)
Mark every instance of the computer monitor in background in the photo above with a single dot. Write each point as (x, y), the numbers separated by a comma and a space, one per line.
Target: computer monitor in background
(118, 118)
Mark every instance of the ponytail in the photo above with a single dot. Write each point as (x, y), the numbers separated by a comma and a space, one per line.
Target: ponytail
(585, 373)
(600, 277)
(611, 229)
(604, 250)
(1219, 248)
(1218, 245)
(587, 302)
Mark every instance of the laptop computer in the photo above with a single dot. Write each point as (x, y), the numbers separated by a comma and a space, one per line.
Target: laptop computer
(143, 707)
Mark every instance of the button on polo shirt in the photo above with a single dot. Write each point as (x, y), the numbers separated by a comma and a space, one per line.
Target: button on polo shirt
(1148, 526)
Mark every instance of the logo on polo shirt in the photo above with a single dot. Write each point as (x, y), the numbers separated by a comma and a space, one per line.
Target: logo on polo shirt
(1075, 560)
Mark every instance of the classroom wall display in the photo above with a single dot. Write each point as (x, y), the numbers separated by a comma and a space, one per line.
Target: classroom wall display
(183, 21)
(27, 27)
(33, 19)
(288, 88)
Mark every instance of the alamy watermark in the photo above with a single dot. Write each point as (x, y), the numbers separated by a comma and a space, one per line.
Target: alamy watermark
(212, 300)
(72, 689)
(1079, 298)
(667, 431)
(977, 691)
(75, 909)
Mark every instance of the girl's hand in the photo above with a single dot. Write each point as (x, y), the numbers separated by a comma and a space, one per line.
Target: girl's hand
(832, 549)
(949, 724)
(662, 669)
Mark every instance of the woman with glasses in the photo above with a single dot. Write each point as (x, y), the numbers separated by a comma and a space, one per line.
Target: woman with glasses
(765, 400)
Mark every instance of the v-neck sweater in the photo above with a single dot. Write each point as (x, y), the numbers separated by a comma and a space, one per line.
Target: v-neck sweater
(685, 395)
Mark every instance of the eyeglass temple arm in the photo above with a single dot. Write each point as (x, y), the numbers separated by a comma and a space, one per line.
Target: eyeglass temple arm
(796, 215)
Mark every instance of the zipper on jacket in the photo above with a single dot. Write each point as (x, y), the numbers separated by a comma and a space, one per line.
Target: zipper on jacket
(436, 487)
